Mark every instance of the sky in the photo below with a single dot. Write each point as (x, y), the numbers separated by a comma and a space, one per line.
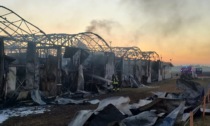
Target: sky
(175, 29)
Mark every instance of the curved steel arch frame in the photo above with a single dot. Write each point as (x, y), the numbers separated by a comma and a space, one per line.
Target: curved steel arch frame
(128, 53)
(150, 55)
(86, 40)
(17, 30)
(93, 41)
(14, 27)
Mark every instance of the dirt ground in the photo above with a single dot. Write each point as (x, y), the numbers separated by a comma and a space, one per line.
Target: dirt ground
(61, 115)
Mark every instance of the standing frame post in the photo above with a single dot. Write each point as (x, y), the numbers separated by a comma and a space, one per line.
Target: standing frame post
(31, 66)
(1, 65)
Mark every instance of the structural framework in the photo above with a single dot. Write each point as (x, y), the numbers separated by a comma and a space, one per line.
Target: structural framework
(17, 32)
(150, 55)
(132, 53)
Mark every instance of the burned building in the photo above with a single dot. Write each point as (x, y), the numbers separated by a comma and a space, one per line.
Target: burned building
(50, 63)
(128, 65)
(151, 66)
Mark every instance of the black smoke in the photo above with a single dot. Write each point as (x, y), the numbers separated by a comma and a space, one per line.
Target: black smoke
(99, 26)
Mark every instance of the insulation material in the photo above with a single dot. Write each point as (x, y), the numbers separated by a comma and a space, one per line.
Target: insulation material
(160, 78)
(149, 79)
(109, 68)
(76, 75)
(80, 82)
(76, 58)
(29, 76)
(36, 97)
(11, 79)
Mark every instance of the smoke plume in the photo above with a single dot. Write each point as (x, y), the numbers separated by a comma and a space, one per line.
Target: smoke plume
(99, 26)
(165, 17)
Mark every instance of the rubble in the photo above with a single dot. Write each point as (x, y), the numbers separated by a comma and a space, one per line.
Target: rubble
(163, 109)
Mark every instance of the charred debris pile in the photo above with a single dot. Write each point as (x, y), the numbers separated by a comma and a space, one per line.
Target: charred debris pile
(162, 109)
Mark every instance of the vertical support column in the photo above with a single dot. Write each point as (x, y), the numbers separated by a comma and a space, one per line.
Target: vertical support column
(159, 71)
(59, 56)
(129, 67)
(149, 71)
(134, 69)
(121, 71)
(1, 65)
(140, 67)
(36, 76)
(58, 74)
(31, 66)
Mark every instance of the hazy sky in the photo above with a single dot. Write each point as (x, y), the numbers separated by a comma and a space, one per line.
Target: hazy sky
(175, 29)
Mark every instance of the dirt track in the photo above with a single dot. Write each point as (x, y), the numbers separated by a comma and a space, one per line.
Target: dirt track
(61, 115)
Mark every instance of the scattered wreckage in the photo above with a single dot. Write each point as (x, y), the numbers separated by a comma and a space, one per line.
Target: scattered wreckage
(162, 109)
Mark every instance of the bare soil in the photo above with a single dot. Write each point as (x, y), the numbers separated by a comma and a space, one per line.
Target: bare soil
(61, 115)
